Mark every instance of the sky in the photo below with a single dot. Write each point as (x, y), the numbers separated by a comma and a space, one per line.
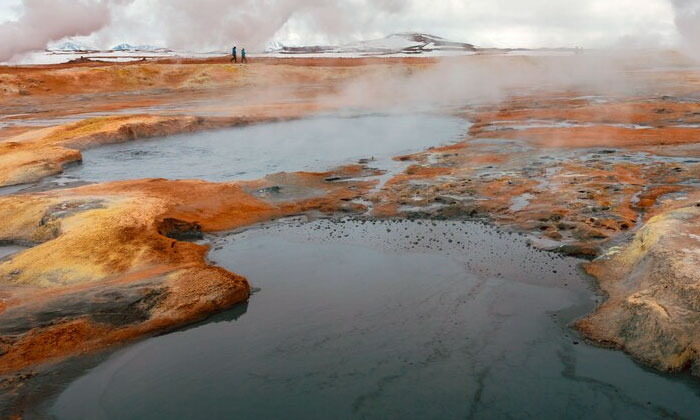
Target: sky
(204, 25)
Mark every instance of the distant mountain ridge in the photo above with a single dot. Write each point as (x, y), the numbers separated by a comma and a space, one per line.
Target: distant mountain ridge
(395, 45)
(69, 46)
(400, 43)
(73, 47)
(129, 47)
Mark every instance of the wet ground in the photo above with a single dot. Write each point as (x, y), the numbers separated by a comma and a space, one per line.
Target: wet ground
(361, 319)
(11, 189)
(254, 151)
(7, 250)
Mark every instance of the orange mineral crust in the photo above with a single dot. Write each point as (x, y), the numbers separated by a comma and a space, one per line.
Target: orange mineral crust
(116, 262)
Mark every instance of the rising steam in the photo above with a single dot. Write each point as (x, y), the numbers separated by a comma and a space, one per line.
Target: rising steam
(207, 23)
(44, 21)
(688, 21)
(185, 23)
(200, 24)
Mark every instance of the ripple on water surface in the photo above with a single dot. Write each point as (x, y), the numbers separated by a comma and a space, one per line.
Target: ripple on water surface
(254, 151)
(383, 320)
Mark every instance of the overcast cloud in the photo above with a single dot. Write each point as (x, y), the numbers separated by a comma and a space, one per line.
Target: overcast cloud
(215, 24)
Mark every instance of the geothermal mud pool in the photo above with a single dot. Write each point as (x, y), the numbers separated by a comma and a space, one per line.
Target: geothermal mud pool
(254, 151)
(367, 319)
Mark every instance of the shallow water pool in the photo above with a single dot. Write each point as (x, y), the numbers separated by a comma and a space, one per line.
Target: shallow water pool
(417, 320)
(8, 250)
(251, 152)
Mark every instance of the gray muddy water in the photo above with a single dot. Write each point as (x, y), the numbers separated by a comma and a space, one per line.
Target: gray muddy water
(401, 319)
(254, 151)
(8, 250)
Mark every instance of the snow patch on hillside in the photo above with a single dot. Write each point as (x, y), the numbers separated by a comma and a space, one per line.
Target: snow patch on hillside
(396, 44)
(129, 47)
(68, 46)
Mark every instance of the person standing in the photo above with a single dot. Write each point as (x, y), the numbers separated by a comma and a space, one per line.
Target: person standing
(243, 57)
(234, 58)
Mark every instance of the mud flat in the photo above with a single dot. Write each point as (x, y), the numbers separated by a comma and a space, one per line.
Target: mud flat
(384, 319)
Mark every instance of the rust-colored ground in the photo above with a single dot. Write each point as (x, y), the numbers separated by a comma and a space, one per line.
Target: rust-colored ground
(615, 179)
(123, 237)
(581, 184)
(116, 260)
(609, 177)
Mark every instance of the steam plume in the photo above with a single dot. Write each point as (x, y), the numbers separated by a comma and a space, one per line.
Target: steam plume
(185, 23)
(207, 23)
(44, 21)
(687, 14)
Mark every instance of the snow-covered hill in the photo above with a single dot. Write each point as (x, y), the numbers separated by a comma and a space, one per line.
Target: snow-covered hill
(67, 47)
(129, 47)
(273, 46)
(397, 45)
(405, 43)
(402, 43)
